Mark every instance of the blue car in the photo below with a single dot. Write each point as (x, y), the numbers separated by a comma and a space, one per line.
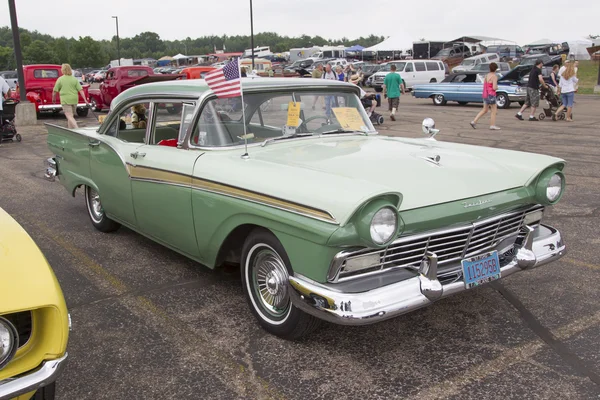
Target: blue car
(467, 87)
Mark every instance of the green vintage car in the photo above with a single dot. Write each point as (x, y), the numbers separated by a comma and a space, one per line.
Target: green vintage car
(327, 219)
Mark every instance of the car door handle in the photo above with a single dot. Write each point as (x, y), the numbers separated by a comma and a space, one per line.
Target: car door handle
(94, 143)
(136, 154)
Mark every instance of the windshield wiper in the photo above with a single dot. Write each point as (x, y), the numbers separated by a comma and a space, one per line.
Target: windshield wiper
(340, 130)
(295, 135)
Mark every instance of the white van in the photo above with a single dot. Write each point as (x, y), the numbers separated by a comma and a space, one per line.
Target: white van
(469, 63)
(413, 72)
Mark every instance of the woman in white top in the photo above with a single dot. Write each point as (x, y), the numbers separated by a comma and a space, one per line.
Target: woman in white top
(566, 87)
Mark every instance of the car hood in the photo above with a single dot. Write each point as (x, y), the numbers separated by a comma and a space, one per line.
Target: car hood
(27, 280)
(338, 174)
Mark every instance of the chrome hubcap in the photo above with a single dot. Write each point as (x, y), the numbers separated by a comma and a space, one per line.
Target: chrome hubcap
(270, 277)
(95, 205)
(500, 101)
(439, 98)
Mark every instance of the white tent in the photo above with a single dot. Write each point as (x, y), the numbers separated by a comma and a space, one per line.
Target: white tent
(179, 56)
(393, 43)
(578, 49)
(541, 42)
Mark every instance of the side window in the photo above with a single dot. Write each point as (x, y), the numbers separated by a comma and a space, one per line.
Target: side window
(167, 122)
(409, 67)
(493, 57)
(459, 78)
(131, 124)
(432, 66)
(420, 66)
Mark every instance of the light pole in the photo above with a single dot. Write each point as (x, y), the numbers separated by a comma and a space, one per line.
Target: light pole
(17, 47)
(252, 35)
(118, 44)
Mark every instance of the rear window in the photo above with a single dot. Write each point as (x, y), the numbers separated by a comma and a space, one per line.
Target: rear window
(432, 66)
(493, 57)
(137, 72)
(420, 66)
(45, 73)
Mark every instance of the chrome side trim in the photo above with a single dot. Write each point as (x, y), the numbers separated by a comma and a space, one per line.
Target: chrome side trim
(29, 382)
(363, 307)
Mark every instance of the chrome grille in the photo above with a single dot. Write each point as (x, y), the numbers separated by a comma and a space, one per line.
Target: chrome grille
(449, 244)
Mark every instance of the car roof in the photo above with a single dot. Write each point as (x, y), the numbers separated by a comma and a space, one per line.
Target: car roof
(198, 86)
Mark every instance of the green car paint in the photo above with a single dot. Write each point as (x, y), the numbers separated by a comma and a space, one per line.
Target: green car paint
(167, 194)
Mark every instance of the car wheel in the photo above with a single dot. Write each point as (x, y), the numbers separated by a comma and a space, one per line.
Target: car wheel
(265, 270)
(96, 212)
(45, 393)
(462, 103)
(379, 90)
(94, 105)
(439, 100)
(502, 100)
(82, 112)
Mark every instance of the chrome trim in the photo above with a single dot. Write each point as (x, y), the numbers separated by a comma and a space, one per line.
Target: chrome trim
(29, 382)
(362, 307)
(336, 264)
(46, 107)
(51, 170)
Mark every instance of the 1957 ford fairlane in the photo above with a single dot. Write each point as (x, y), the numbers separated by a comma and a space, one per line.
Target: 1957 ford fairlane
(327, 219)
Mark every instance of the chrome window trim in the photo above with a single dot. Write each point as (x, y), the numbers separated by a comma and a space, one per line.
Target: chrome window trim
(337, 261)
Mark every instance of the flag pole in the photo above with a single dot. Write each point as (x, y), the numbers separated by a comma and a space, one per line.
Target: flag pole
(245, 156)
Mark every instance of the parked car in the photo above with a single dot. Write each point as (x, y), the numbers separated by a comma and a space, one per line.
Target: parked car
(89, 77)
(119, 79)
(39, 85)
(469, 63)
(328, 220)
(11, 77)
(412, 72)
(467, 87)
(196, 72)
(506, 52)
(549, 61)
(77, 74)
(368, 70)
(34, 321)
(503, 68)
(99, 76)
(453, 55)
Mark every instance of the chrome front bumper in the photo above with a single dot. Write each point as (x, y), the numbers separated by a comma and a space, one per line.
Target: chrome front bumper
(52, 107)
(517, 97)
(43, 376)
(325, 301)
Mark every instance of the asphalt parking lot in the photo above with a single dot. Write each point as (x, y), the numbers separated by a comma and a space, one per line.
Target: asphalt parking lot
(151, 324)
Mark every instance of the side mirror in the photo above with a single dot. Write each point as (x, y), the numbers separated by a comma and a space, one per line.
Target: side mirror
(429, 128)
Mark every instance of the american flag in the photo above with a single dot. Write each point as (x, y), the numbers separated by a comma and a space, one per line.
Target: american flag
(225, 82)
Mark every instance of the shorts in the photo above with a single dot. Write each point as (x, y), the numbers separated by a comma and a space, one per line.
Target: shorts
(533, 97)
(69, 109)
(567, 99)
(393, 103)
(490, 99)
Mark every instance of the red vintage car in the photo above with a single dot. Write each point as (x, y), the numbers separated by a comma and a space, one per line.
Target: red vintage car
(196, 72)
(119, 79)
(39, 84)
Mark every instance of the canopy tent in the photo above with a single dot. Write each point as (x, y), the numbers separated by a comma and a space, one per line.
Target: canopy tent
(179, 57)
(482, 39)
(578, 49)
(165, 58)
(356, 47)
(396, 42)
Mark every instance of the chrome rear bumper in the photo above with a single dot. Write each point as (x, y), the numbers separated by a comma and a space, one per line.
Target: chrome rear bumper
(43, 376)
(325, 301)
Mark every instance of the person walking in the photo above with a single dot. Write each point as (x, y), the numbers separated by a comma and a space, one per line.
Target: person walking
(533, 91)
(490, 85)
(567, 88)
(340, 73)
(329, 100)
(392, 86)
(5, 91)
(67, 86)
(318, 72)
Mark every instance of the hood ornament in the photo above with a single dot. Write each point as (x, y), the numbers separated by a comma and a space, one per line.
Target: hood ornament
(433, 159)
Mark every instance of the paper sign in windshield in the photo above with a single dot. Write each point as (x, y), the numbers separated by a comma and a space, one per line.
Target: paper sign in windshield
(293, 114)
(349, 118)
(101, 118)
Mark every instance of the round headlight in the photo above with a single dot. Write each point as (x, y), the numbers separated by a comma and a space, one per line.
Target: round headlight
(383, 225)
(9, 341)
(554, 188)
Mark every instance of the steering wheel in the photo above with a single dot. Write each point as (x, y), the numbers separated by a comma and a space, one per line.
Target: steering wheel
(304, 127)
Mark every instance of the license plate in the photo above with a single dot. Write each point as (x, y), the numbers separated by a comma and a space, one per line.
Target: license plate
(481, 269)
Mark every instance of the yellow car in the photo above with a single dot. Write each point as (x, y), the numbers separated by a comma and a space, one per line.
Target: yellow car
(34, 322)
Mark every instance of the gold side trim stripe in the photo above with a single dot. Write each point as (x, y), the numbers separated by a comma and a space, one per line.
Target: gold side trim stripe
(161, 176)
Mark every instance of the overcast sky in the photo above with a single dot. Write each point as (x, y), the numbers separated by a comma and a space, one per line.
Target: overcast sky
(522, 21)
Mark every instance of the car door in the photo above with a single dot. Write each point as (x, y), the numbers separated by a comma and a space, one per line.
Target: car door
(161, 178)
(420, 74)
(471, 88)
(408, 75)
(109, 164)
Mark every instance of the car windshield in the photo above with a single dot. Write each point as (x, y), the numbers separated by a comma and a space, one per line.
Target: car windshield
(279, 115)
(468, 62)
(388, 67)
(481, 67)
(444, 52)
(528, 61)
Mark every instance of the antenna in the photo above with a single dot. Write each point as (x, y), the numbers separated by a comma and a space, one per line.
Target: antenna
(245, 156)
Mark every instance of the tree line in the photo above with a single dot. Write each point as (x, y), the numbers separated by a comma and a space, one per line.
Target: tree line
(85, 51)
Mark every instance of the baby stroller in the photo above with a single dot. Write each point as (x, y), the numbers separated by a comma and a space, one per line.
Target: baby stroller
(7, 125)
(367, 101)
(553, 101)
